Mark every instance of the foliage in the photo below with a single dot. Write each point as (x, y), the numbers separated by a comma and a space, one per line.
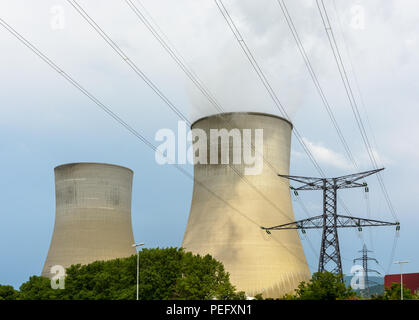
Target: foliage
(38, 288)
(322, 286)
(394, 293)
(169, 273)
(8, 293)
(258, 296)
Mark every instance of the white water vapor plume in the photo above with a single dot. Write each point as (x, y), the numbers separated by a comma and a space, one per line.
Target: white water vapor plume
(223, 67)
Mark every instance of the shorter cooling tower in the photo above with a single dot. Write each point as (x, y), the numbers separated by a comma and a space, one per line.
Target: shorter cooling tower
(93, 215)
(228, 208)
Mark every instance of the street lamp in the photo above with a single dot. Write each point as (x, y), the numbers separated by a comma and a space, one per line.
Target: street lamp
(401, 276)
(138, 264)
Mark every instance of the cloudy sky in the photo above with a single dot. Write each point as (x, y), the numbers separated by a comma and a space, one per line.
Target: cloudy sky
(44, 121)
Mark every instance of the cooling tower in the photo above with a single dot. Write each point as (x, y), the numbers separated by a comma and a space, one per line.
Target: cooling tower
(93, 215)
(228, 209)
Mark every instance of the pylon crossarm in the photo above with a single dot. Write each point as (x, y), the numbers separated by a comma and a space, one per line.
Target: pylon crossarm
(309, 183)
(354, 222)
(343, 182)
(366, 258)
(310, 223)
(352, 178)
(341, 222)
(372, 270)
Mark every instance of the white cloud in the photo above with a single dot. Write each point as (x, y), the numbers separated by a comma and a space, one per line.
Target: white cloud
(327, 156)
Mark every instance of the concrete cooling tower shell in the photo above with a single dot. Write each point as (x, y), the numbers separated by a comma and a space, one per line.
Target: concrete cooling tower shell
(230, 230)
(93, 215)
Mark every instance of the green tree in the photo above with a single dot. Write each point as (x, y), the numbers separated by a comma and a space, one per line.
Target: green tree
(322, 286)
(394, 293)
(169, 273)
(8, 293)
(38, 288)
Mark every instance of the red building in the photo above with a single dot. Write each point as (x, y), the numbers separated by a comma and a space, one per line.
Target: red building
(410, 280)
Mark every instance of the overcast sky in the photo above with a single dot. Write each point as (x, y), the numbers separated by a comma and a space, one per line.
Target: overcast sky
(45, 122)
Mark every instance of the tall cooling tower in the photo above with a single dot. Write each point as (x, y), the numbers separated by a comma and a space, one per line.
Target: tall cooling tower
(93, 215)
(257, 262)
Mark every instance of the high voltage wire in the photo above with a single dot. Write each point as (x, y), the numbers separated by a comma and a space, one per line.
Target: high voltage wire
(264, 80)
(112, 114)
(314, 77)
(268, 86)
(180, 61)
(132, 64)
(280, 107)
(320, 91)
(176, 57)
(273, 95)
(128, 61)
(349, 92)
(351, 64)
(155, 89)
(183, 66)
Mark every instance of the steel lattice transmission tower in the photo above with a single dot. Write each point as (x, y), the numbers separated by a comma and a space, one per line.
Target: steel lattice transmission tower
(365, 260)
(330, 220)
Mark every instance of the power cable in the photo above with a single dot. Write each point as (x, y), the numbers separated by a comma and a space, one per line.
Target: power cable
(316, 82)
(128, 61)
(112, 114)
(349, 92)
(355, 110)
(161, 37)
(264, 80)
(320, 91)
(138, 71)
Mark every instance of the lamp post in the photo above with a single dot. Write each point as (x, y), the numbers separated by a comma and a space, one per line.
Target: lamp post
(138, 264)
(401, 276)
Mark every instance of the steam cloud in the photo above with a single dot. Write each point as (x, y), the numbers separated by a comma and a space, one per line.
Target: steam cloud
(224, 69)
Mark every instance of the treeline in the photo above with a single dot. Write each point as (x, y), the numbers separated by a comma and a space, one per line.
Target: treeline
(169, 273)
(329, 286)
(173, 274)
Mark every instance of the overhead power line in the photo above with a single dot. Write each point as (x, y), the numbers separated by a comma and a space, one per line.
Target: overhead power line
(180, 61)
(175, 56)
(322, 95)
(128, 61)
(118, 119)
(183, 66)
(265, 81)
(355, 77)
(169, 48)
(352, 101)
(269, 88)
(316, 82)
(133, 65)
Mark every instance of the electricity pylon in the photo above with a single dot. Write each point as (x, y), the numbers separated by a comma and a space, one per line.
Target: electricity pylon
(330, 220)
(365, 260)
